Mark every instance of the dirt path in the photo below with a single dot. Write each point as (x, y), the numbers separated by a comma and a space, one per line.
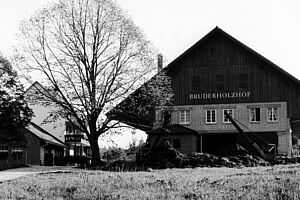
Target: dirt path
(10, 174)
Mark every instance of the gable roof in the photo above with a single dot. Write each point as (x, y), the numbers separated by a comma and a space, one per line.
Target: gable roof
(133, 121)
(219, 30)
(37, 88)
(44, 135)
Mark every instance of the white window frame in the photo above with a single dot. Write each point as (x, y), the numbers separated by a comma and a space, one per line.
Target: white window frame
(231, 112)
(3, 149)
(17, 150)
(184, 116)
(209, 120)
(252, 113)
(273, 112)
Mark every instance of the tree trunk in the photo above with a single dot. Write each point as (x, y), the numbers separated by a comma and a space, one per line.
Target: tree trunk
(95, 153)
(93, 139)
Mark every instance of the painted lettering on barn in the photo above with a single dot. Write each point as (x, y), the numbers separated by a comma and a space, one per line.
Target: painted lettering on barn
(222, 95)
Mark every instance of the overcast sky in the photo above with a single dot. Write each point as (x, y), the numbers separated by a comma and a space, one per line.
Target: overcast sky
(270, 27)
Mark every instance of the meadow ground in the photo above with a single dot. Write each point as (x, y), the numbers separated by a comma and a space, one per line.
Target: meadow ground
(274, 182)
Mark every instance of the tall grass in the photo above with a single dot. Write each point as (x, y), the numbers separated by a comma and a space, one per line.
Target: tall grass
(276, 182)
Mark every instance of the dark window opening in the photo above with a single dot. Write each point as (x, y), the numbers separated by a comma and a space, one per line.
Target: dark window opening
(254, 114)
(257, 114)
(176, 143)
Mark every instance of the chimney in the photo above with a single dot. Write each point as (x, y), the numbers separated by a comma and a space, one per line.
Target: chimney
(159, 62)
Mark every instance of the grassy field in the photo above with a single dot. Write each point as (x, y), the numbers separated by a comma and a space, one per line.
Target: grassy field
(276, 182)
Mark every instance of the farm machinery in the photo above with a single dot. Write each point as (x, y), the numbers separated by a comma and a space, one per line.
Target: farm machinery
(264, 150)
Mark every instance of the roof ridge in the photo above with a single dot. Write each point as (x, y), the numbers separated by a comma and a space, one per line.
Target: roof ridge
(218, 29)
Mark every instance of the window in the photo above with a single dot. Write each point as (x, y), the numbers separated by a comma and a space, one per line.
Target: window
(254, 114)
(3, 149)
(17, 150)
(176, 143)
(211, 116)
(272, 114)
(230, 112)
(185, 117)
(3, 152)
(68, 128)
(17, 153)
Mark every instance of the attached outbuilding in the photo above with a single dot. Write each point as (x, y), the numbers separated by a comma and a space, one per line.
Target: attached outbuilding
(41, 148)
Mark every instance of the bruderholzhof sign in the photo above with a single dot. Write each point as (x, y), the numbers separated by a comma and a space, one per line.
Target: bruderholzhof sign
(221, 95)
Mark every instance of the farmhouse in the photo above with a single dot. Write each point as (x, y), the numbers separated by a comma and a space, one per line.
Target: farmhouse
(41, 148)
(220, 74)
(75, 141)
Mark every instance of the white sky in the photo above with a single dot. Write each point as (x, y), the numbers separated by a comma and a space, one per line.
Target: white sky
(270, 27)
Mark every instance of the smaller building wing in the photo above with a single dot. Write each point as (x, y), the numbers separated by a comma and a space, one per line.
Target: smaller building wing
(44, 135)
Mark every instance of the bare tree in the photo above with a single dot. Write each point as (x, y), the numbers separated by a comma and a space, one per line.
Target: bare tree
(92, 55)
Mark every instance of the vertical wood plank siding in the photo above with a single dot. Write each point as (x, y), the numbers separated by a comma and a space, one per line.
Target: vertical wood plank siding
(219, 56)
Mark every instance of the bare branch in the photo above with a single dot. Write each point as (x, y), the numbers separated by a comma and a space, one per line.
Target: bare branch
(92, 56)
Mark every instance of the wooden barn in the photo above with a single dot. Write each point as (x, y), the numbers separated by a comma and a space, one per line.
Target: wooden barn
(219, 74)
(41, 148)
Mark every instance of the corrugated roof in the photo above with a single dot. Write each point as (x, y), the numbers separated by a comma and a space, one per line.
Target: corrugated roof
(44, 135)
